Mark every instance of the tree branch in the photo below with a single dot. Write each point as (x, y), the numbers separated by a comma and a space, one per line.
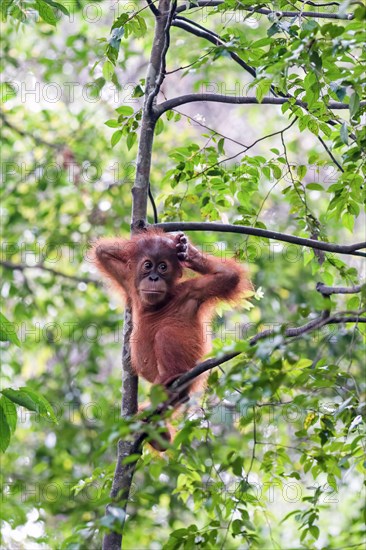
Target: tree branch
(246, 148)
(22, 267)
(152, 7)
(201, 32)
(330, 153)
(351, 249)
(23, 133)
(186, 379)
(149, 118)
(265, 11)
(328, 290)
(239, 100)
(124, 472)
(340, 317)
(199, 4)
(162, 69)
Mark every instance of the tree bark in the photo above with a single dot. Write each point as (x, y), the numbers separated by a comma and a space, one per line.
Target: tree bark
(116, 509)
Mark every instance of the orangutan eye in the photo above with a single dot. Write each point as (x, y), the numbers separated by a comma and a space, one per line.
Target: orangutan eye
(163, 267)
(147, 265)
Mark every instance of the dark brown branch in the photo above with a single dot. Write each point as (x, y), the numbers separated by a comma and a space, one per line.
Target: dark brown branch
(315, 14)
(351, 249)
(186, 379)
(162, 69)
(152, 7)
(199, 4)
(265, 11)
(310, 3)
(330, 153)
(22, 267)
(153, 83)
(239, 100)
(200, 31)
(123, 474)
(328, 290)
(212, 37)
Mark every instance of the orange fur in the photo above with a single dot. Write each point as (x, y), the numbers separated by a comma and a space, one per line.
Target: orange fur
(168, 337)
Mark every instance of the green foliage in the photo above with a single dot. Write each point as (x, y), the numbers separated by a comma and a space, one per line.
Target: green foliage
(275, 455)
(7, 331)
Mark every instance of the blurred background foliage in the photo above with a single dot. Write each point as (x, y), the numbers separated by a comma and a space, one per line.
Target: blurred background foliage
(274, 457)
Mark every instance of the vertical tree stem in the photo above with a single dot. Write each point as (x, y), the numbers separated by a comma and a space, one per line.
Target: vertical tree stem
(123, 474)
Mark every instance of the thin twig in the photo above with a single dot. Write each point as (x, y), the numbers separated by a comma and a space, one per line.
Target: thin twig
(23, 133)
(330, 153)
(246, 148)
(215, 132)
(22, 267)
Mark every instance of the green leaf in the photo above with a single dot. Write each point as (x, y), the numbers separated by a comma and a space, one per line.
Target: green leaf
(4, 7)
(58, 6)
(260, 43)
(315, 187)
(276, 170)
(314, 530)
(20, 398)
(7, 331)
(348, 221)
(344, 133)
(310, 25)
(125, 110)
(262, 89)
(139, 92)
(108, 70)
(354, 104)
(273, 29)
(46, 12)
(116, 137)
(339, 90)
(353, 303)
(31, 400)
(120, 21)
(4, 430)
(313, 126)
(301, 171)
(112, 123)
(237, 526)
(10, 412)
(7, 92)
(115, 38)
(159, 126)
(131, 139)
